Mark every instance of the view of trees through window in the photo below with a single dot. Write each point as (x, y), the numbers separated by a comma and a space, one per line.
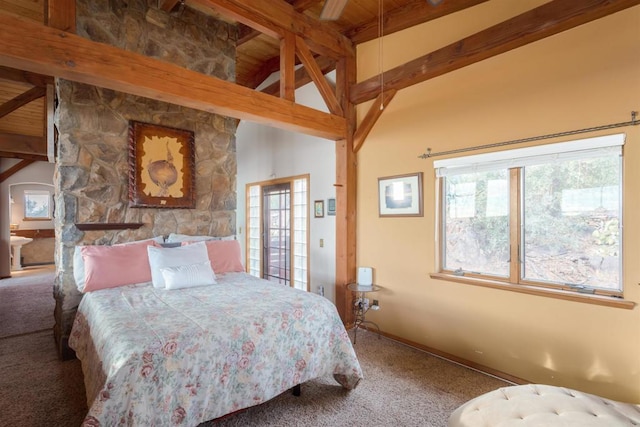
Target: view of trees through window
(36, 205)
(570, 222)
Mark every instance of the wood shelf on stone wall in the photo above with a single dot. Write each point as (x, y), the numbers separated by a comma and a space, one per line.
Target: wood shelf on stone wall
(93, 226)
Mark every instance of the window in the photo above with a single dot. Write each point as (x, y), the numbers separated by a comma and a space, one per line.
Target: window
(543, 217)
(37, 205)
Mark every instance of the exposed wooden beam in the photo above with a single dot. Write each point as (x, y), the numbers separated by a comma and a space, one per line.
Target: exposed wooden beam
(401, 18)
(268, 67)
(371, 118)
(275, 17)
(23, 99)
(168, 5)
(536, 24)
(302, 77)
(12, 155)
(346, 195)
(50, 132)
(15, 168)
(332, 9)
(287, 67)
(246, 33)
(40, 49)
(61, 14)
(23, 144)
(14, 75)
(326, 91)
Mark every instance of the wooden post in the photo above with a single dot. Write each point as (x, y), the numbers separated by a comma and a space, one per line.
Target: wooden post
(345, 194)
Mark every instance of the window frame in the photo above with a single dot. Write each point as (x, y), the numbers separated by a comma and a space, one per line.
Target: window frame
(46, 193)
(514, 282)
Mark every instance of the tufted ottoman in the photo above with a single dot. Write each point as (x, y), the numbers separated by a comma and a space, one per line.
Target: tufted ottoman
(542, 406)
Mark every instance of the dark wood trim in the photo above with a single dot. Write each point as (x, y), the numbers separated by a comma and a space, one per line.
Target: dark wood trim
(23, 99)
(23, 144)
(455, 359)
(34, 79)
(15, 168)
(94, 226)
(25, 156)
(43, 233)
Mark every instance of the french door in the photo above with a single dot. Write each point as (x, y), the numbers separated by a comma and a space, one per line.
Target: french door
(277, 231)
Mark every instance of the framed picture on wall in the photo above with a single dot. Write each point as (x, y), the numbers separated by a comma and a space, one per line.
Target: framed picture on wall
(161, 167)
(318, 209)
(400, 195)
(331, 206)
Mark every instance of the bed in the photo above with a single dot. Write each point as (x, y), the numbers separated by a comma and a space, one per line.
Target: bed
(157, 356)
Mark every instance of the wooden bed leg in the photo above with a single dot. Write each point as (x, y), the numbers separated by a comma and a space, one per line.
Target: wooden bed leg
(296, 390)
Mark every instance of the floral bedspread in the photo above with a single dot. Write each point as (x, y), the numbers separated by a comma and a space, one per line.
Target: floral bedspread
(181, 357)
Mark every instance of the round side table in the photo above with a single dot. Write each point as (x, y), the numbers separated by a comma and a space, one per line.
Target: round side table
(361, 306)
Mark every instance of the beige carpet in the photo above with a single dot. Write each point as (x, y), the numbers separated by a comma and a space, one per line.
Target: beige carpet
(402, 386)
(26, 302)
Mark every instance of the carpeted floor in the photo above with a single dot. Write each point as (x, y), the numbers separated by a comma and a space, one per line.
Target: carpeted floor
(402, 386)
(26, 301)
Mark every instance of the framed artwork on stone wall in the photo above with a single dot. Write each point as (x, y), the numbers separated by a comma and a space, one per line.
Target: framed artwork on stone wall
(161, 167)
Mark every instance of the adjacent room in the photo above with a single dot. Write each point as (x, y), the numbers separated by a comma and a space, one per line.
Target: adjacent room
(237, 212)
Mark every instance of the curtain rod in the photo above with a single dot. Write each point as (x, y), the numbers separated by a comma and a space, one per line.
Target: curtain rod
(633, 122)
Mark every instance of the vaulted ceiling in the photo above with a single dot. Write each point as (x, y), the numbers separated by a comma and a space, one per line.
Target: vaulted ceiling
(273, 36)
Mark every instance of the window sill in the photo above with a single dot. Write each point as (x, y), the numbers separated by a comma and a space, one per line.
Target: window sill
(543, 292)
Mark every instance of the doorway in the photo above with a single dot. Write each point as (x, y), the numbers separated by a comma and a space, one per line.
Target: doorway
(277, 231)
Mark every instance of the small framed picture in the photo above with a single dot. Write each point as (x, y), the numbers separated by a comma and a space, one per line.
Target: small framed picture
(400, 195)
(331, 206)
(318, 209)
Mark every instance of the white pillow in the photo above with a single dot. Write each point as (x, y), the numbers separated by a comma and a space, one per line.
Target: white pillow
(78, 261)
(173, 257)
(173, 237)
(188, 276)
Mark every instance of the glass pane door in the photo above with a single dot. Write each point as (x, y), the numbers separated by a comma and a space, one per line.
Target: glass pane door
(277, 233)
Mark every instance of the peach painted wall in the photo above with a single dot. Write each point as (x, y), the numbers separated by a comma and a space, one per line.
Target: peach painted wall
(581, 78)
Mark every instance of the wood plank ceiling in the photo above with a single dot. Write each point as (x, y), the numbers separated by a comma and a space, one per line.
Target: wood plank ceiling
(273, 34)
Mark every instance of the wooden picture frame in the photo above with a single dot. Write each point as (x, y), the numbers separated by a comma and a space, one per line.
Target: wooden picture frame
(318, 209)
(331, 207)
(400, 195)
(161, 167)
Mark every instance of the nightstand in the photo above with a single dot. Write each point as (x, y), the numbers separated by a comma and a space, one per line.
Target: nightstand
(361, 305)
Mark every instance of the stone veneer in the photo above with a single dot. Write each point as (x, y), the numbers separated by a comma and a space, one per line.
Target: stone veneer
(91, 176)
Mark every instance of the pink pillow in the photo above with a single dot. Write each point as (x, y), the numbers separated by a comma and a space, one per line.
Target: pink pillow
(224, 255)
(112, 266)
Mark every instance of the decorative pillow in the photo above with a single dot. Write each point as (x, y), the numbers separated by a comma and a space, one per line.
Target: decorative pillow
(173, 237)
(118, 265)
(78, 262)
(225, 256)
(173, 257)
(188, 276)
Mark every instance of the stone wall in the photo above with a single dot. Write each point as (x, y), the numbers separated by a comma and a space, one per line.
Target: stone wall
(91, 177)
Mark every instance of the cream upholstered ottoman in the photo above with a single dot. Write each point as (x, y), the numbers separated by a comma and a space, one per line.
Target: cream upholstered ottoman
(541, 406)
